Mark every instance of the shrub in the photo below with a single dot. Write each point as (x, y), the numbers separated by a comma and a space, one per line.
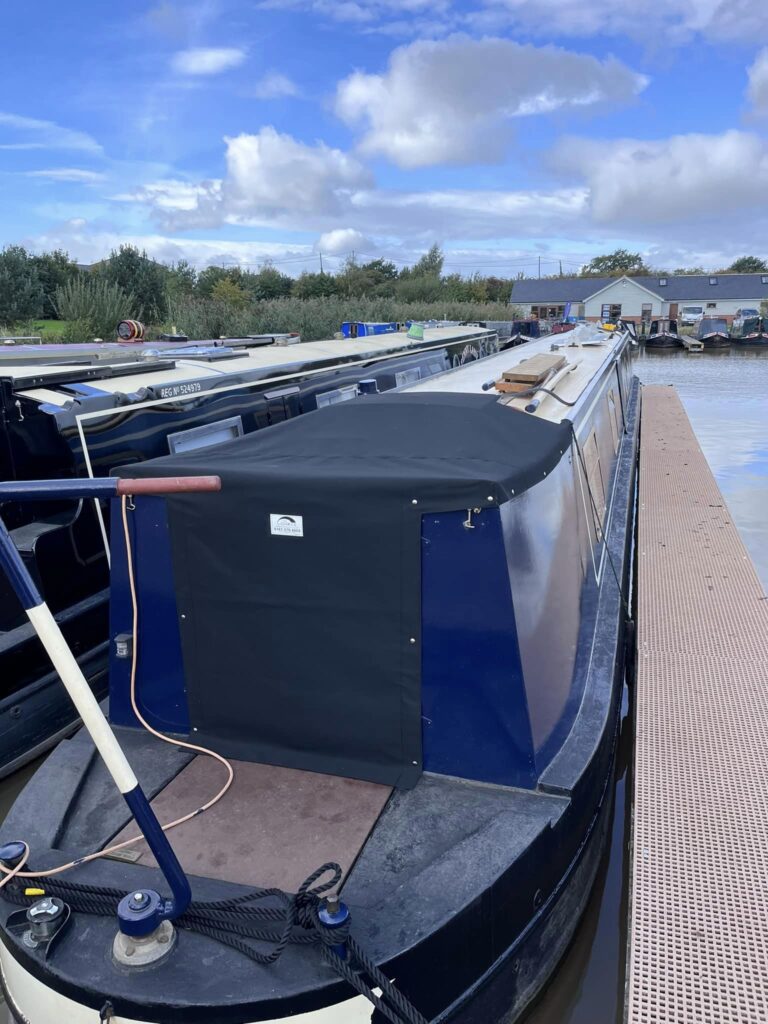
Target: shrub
(93, 308)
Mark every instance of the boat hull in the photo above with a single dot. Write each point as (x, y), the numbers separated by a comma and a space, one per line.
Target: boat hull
(455, 973)
(663, 341)
(711, 341)
(751, 341)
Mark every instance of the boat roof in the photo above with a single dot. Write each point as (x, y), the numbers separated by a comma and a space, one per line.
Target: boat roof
(586, 349)
(113, 371)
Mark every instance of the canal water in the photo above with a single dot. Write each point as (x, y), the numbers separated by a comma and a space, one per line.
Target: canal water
(726, 397)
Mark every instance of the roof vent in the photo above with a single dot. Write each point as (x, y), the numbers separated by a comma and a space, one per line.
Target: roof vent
(662, 282)
(713, 280)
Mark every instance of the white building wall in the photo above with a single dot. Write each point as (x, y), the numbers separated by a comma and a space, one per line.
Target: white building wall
(722, 306)
(630, 296)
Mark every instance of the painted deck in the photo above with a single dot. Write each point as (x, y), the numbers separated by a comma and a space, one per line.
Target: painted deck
(698, 940)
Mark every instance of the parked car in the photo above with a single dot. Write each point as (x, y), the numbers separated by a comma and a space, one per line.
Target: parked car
(691, 315)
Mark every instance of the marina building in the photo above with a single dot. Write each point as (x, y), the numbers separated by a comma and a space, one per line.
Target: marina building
(677, 296)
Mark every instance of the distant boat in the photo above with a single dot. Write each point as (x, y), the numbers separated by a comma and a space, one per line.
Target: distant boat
(712, 332)
(663, 334)
(752, 331)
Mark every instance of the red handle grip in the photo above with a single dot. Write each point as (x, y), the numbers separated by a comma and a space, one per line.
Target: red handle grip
(169, 485)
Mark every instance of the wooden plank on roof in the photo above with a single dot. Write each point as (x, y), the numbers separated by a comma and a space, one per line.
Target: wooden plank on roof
(535, 368)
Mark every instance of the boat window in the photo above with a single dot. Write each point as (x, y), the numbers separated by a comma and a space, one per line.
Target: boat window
(595, 497)
(336, 396)
(410, 376)
(205, 435)
(613, 416)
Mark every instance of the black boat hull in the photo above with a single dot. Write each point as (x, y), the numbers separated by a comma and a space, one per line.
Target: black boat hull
(663, 341)
(711, 341)
(751, 341)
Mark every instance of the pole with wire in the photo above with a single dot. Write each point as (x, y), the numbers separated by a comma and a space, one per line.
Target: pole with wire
(143, 912)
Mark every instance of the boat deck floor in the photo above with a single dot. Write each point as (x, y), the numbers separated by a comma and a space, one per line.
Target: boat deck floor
(698, 942)
(274, 826)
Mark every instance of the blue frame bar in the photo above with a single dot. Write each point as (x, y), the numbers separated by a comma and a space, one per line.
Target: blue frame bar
(54, 490)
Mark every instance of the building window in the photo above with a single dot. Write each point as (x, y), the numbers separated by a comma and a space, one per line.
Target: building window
(662, 282)
(713, 280)
(764, 279)
(711, 305)
(610, 312)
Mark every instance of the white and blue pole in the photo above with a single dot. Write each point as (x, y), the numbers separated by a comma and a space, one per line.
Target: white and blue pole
(140, 912)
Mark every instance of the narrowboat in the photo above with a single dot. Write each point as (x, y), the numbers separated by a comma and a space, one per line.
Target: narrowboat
(752, 330)
(386, 653)
(73, 411)
(663, 334)
(712, 332)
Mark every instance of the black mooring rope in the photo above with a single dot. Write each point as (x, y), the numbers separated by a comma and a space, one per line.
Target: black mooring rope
(234, 921)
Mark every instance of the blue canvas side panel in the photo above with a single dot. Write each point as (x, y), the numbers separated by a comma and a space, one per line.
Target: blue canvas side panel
(475, 721)
(160, 684)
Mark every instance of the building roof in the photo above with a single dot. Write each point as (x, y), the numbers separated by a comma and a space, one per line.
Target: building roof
(679, 287)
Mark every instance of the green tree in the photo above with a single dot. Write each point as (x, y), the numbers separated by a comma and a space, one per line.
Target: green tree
(269, 283)
(499, 288)
(133, 271)
(748, 265)
(430, 264)
(229, 292)
(54, 270)
(688, 271)
(180, 279)
(313, 286)
(21, 292)
(209, 277)
(615, 264)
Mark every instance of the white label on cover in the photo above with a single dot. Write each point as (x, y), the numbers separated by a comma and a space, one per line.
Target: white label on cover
(286, 526)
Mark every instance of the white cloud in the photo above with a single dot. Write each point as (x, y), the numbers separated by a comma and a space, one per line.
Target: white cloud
(207, 60)
(74, 174)
(272, 179)
(672, 22)
(758, 83)
(453, 101)
(340, 241)
(274, 85)
(695, 180)
(37, 134)
(170, 194)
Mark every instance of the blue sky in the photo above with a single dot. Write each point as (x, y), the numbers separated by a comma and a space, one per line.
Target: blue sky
(505, 130)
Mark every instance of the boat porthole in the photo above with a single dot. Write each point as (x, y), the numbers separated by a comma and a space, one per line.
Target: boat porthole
(15, 711)
(538, 899)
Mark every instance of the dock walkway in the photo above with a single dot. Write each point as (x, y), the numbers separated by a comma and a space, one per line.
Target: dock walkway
(698, 940)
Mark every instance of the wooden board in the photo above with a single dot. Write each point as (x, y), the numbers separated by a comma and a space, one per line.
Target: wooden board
(273, 827)
(535, 368)
(511, 387)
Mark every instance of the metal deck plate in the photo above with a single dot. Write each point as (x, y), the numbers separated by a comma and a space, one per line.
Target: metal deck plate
(698, 943)
(273, 827)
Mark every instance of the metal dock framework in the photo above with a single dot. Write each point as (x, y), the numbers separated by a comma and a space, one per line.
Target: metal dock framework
(698, 941)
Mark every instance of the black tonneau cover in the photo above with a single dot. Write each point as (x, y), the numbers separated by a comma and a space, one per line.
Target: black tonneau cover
(300, 581)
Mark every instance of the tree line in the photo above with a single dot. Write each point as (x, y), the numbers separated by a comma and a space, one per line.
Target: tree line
(620, 262)
(51, 285)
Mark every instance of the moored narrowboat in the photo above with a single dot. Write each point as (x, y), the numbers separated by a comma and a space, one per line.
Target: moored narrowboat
(401, 621)
(663, 334)
(712, 332)
(752, 331)
(72, 411)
